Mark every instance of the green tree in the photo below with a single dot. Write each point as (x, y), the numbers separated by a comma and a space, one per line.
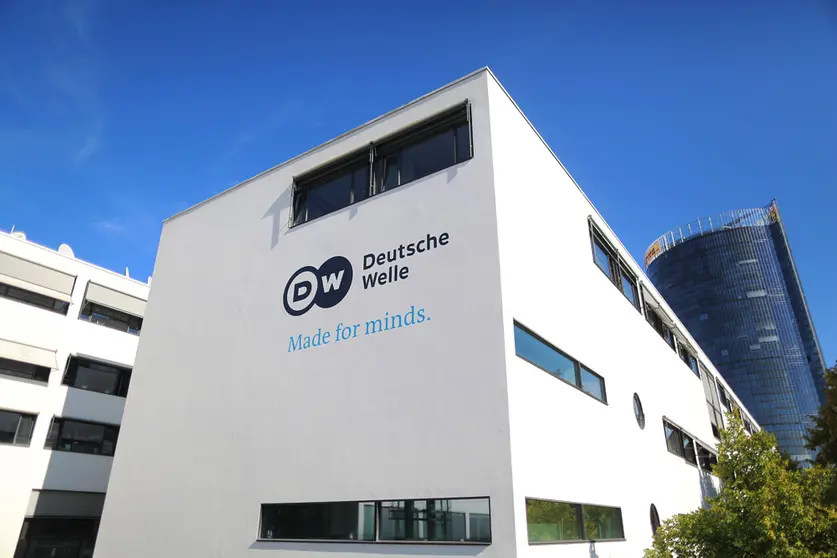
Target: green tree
(767, 507)
(822, 437)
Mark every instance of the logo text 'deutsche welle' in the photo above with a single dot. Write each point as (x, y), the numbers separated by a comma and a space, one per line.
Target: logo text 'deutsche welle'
(329, 284)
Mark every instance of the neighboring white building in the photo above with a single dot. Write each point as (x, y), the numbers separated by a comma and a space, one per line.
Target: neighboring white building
(343, 365)
(68, 336)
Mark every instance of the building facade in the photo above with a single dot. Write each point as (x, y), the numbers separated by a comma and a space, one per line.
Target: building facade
(732, 280)
(419, 338)
(68, 336)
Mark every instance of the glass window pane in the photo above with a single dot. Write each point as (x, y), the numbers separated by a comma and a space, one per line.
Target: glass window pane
(674, 442)
(602, 523)
(602, 257)
(540, 354)
(24, 430)
(689, 449)
(480, 526)
(629, 288)
(552, 521)
(430, 520)
(329, 197)
(593, 384)
(428, 156)
(360, 184)
(8, 426)
(326, 521)
(463, 143)
(95, 378)
(81, 437)
(638, 412)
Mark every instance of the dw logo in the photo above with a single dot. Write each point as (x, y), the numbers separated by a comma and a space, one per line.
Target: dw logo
(325, 287)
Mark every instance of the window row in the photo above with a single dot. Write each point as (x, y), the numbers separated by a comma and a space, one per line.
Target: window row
(608, 260)
(454, 520)
(536, 350)
(82, 373)
(683, 445)
(421, 150)
(50, 289)
(65, 434)
(731, 406)
(548, 521)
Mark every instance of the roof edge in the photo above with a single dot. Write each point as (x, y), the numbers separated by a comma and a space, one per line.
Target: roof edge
(354, 130)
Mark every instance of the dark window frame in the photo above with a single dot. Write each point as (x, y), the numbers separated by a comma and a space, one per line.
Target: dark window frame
(376, 540)
(21, 439)
(56, 429)
(123, 374)
(455, 120)
(655, 520)
(17, 369)
(618, 269)
(656, 321)
(31, 298)
(111, 318)
(639, 412)
(577, 365)
(706, 458)
(689, 359)
(681, 445)
(581, 520)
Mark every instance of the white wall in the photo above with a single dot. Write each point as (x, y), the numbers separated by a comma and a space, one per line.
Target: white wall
(566, 445)
(222, 418)
(28, 468)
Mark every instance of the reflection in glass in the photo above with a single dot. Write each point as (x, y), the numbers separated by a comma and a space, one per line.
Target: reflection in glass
(545, 356)
(319, 521)
(602, 523)
(629, 288)
(602, 257)
(592, 383)
(674, 442)
(434, 520)
(689, 449)
(552, 521)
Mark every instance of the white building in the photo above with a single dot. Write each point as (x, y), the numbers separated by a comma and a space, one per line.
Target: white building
(68, 336)
(343, 365)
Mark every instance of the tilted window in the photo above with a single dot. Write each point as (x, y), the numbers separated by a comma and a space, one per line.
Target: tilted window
(88, 374)
(608, 260)
(9, 367)
(35, 284)
(534, 349)
(111, 308)
(430, 146)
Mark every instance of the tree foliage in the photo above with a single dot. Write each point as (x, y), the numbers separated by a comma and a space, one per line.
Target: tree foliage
(767, 507)
(823, 435)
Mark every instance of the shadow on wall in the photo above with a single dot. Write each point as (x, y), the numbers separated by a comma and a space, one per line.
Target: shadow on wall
(280, 213)
(707, 488)
(593, 553)
(418, 549)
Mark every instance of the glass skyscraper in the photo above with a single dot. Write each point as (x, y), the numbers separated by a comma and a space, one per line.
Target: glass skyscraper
(733, 282)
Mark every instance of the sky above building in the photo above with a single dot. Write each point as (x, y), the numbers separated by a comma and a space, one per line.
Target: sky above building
(117, 114)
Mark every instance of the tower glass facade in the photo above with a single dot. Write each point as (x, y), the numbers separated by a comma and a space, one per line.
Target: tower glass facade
(732, 280)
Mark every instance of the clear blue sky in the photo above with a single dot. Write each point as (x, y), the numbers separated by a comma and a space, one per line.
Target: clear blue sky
(116, 114)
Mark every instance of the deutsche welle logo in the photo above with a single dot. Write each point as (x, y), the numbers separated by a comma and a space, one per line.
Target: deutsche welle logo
(325, 286)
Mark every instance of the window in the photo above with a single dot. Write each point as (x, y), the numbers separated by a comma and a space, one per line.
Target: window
(706, 458)
(690, 360)
(549, 521)
(638, 412)
(456, 520)
(674, 439)
(34, 299)
(722, 393)
(82, 437)
(25, 370)
(108, 317)
(747, 426)
(608, 260)
(655, 520)
(710, 389)
(654, 318)
(680, 443)
(90, 375)
(535, 350)
(421, 150)
(16, 428)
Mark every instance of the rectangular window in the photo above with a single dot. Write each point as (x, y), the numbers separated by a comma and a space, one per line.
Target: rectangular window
(34, 299)
(428, 147)
(608, 260)
(722, 393)
(689, 449)
(534, 349)
(629, 288)
(16, 428)
(460, 520)
(690, 360)
(660, 327)
(9, 367)
(82, 436)
(603, 258)
(548, 521)
(90, 375)
(429, 520)
(108, 317)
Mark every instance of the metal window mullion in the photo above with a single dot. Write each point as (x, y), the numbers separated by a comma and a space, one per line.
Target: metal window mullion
(470, 130)
(581, 529)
